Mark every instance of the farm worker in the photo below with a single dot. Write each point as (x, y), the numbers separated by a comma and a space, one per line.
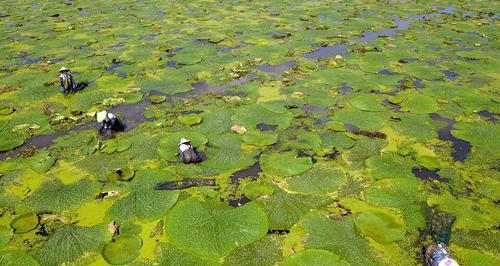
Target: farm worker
(438, 255)
(66, 80)
(187, 153)
(108, 121)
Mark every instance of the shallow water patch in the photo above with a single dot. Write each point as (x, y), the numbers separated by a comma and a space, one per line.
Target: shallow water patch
(461, 148)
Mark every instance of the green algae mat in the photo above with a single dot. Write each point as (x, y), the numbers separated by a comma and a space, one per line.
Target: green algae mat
(332, 132)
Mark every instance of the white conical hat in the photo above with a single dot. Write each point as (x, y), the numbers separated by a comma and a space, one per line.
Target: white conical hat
(64, 69)
(183, 140)
(448, 262)
(101, 116)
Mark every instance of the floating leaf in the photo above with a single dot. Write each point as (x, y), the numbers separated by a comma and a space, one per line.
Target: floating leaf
(338, 236)
(367, 102)
(285, 209)
(17, 258)
(71, 243)
(390, 165)
(121, 174)
(116, 145)
(190, 119)
(284, 164)
(260, 138)
(54, 196)
(10, 142)
(6, 110)
(213, 229)
(265, 252)
(143, 202)
(225, 152)
(320, 180)
(5, 235)
(315, 257)
(255, 189)
(171, 256)
(156, 99)
(123, 249)
(381, 227)
(250, 116)
(24, 223)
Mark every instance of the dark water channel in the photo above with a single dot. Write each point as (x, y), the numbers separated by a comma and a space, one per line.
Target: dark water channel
(461, 148)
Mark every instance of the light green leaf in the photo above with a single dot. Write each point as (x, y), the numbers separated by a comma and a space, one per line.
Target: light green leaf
(213, 229)
(122, 249)
(316, 257)
(284, 164)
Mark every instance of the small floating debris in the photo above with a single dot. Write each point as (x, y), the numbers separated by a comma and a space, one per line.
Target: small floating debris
(183, 184)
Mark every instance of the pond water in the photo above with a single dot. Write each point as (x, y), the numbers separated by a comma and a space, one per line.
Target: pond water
(324, 126)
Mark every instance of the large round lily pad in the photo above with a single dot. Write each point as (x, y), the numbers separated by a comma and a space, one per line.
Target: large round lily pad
(123, 249)
(6, 110)
(5, 235)
(169, 145)
(213, 228)
(157, 99)
(367, 102)
(380, 226)
(260, 138)
(24, 223)
(116, 145)
(190, 119)
(321, 179)
(16, 258)
(10, 142)
(121, 174)
(284, 164)
(315, 257)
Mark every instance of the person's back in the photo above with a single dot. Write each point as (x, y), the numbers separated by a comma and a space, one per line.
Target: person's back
(66, 81)
(187, 152)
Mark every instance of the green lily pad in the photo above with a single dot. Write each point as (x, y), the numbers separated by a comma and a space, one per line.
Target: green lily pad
(123, 249)
(213, 229)
(484, 136)
(143, 202)
(190, 119)
(168, 147)
(16, 258)
(250, 116)
(315, 257)
(381, 227)
(285, 209)
(419, 104)
(156, 99)
(25, 223)
(404, 194)
(284, 164)
(5, 235)
(367, 102)
(6, 110)
(265, 252)
(116, 145)
(255, 189)
(71, 243)
(338, 236)
(41, 162)
(121, 174)
(320, 180)
(170, 256)
(54, 196)
(10, 142)
(260, 138)
(225, 152)
(390, 165)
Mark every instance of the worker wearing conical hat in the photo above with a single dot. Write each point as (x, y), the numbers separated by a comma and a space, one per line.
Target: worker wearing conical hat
(108, 122)
(66, 80)
(187, 153)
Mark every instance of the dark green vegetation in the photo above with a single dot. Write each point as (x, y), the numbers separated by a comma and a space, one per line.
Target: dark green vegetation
(361, 119)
